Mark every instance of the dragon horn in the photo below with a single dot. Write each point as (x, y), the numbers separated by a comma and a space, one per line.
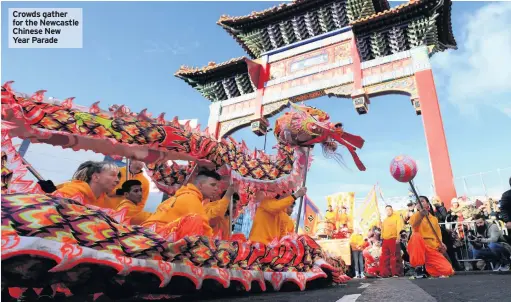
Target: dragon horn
(187, 126)
(161, 119)
(68, 103)
(7, 85)
(206, 131)
(142, 115)
(94, 108)
(175, 122)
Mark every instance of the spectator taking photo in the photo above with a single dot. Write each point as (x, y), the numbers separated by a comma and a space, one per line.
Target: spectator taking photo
(489, 244)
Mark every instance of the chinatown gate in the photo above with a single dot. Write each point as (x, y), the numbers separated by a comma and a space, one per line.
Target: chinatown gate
(353, 49)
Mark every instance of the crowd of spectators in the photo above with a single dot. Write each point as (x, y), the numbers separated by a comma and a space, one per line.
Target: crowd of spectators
(476, 234)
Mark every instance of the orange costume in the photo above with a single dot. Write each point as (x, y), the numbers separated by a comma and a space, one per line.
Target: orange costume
(423, 247)
(330, 216)
(267, 221)
(182, 213)
(215, 211)
(134, 212)
(80, 191)
(287, 226)
(390, 260)
(344, 219)
(116, 200)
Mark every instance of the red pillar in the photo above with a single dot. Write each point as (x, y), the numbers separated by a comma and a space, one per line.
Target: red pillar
(435, 137)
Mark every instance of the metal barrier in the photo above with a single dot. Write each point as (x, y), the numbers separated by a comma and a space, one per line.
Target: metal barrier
(462, 230)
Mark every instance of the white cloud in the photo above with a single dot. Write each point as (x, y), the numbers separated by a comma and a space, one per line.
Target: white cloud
(479, 73)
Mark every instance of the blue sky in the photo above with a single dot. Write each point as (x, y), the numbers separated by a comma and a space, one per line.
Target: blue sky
(132, 49)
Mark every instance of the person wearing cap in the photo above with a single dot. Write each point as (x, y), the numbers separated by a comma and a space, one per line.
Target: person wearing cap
(132, 192)
(456, 208)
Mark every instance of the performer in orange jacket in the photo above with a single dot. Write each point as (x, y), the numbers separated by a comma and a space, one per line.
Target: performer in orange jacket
(91, 183)
(137, 173)
(424, 247)
(267, 220)
(218, 213)
(390, 261)
(132, 191)
(183, 213)
(287, 226)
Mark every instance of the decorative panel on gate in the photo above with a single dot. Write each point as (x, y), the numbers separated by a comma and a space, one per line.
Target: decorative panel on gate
(309, 72)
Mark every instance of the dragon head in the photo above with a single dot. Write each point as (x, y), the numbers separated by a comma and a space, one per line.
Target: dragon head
(318, 114)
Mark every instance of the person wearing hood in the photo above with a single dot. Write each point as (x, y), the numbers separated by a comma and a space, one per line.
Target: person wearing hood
(267, 220)
(184, 213)
(90, 184)
(137, 173)
(133, 193)
(287, 226)
(218, 213)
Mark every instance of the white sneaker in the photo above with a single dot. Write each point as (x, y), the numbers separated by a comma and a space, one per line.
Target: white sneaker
(362, 276)
(504, 268)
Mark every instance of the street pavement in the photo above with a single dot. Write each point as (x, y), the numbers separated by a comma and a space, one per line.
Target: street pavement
(479, 287)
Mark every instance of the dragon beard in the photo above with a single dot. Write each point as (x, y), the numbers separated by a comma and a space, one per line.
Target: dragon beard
(330, 151)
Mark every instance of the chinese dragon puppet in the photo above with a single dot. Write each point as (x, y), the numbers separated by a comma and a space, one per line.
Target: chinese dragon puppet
(55, 246)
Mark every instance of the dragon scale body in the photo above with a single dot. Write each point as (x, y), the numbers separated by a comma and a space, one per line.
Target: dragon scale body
(154, 141)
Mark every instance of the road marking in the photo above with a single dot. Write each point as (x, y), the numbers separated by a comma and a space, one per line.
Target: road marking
(364, 285)
(349, 298)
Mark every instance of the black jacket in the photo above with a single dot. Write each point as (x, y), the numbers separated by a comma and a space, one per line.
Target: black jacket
(441, 214)
(505, 206)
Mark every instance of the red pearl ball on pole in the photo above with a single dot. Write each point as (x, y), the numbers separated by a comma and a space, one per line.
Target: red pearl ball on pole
(403, 168)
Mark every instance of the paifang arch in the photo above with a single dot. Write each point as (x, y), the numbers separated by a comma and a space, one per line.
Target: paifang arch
(354, 56)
